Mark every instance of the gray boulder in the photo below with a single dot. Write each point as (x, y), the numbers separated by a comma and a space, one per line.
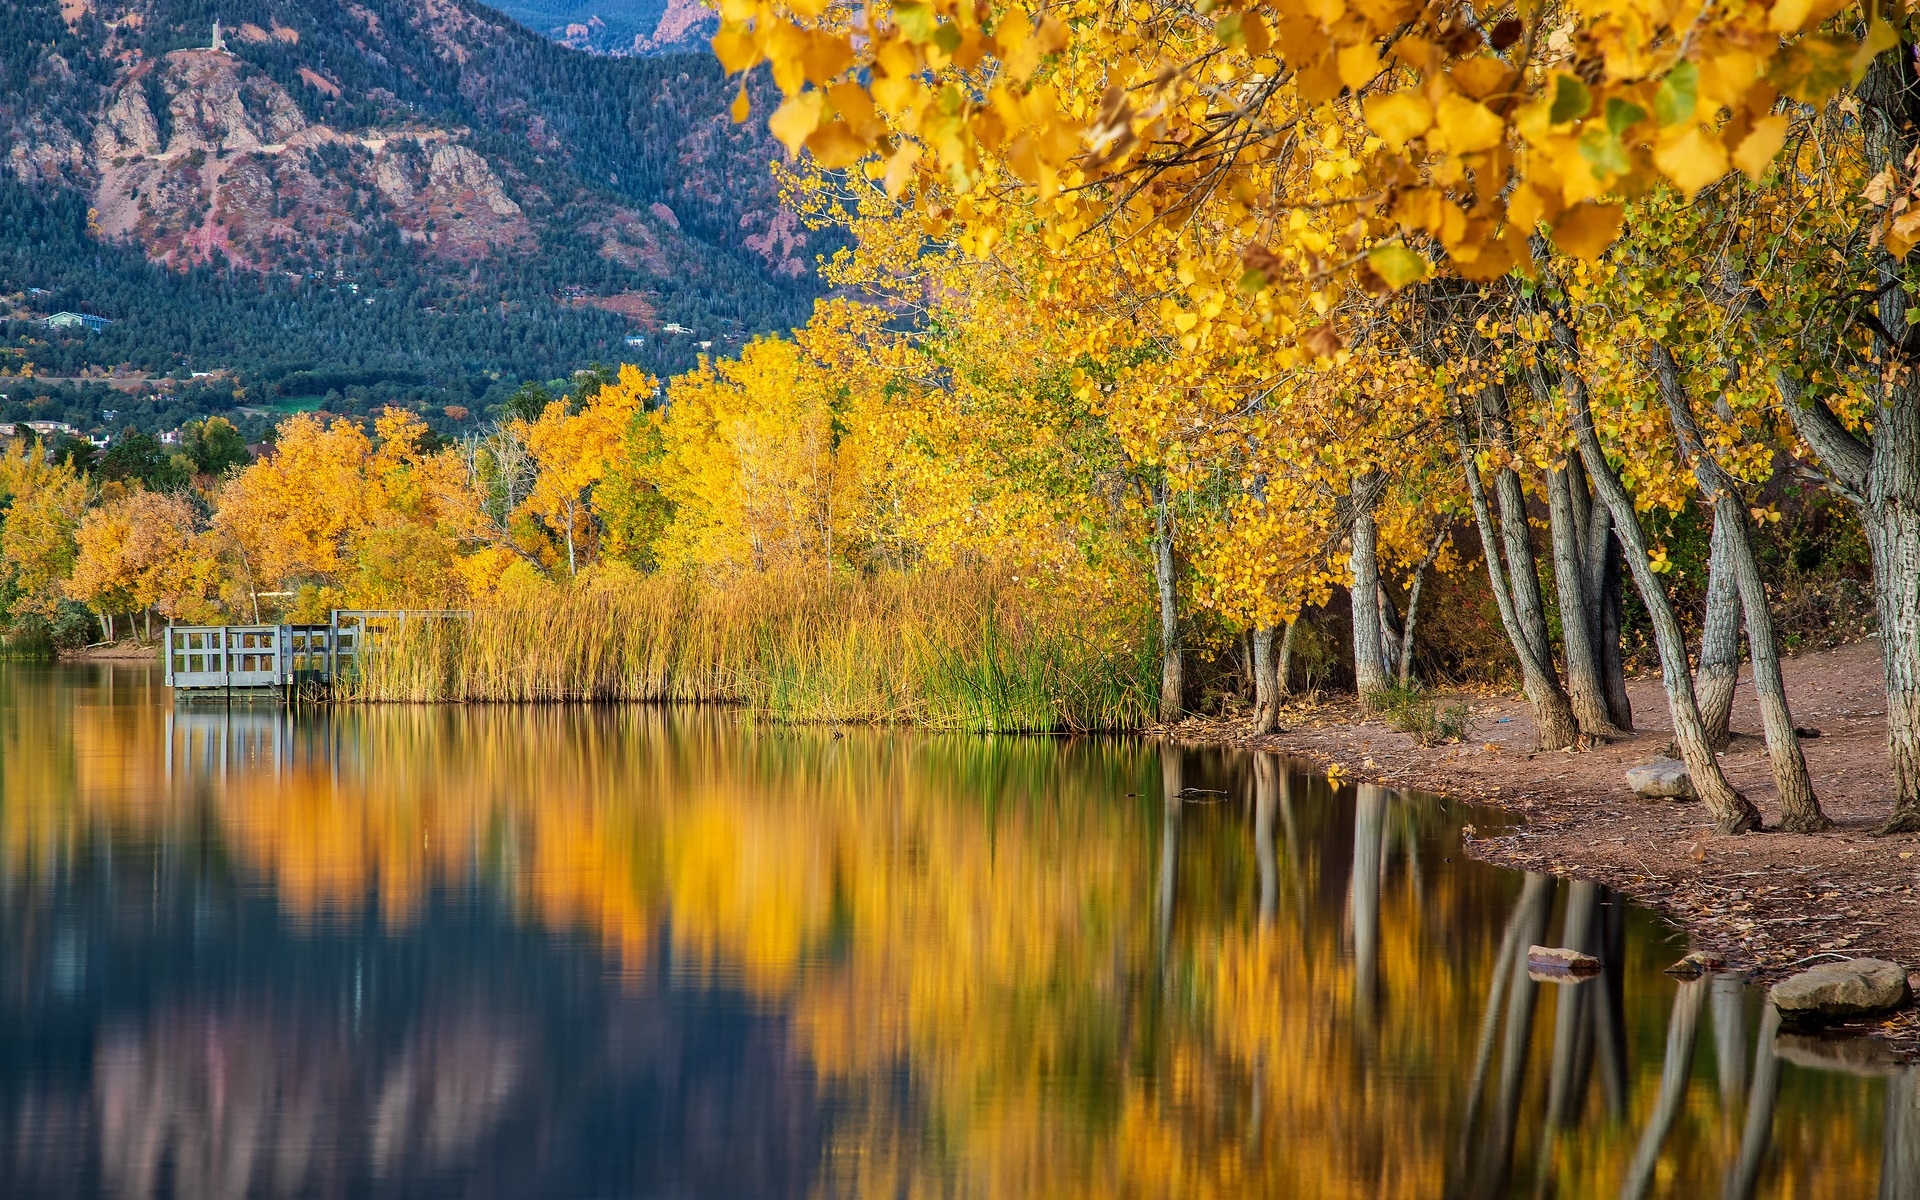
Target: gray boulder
(1840, 991)
(1661, 779)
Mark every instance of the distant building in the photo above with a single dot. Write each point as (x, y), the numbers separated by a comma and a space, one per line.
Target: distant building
(674, 327)
(170, 437)
(634, 339)
(47, 429)
(74, 320)
(219, 45)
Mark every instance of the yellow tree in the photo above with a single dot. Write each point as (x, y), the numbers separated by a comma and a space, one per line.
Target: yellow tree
(142, 551)
(45, 502)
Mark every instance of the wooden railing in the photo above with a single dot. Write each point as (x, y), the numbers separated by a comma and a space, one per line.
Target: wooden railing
(230, 657)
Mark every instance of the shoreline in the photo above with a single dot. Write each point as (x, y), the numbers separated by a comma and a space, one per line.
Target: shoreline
(1770, 903)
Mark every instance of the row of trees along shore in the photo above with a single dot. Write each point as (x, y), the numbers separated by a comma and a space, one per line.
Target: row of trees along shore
(1330, 256)
(1158, 329)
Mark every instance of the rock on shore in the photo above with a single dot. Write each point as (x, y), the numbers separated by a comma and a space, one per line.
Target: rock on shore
(1840, 991)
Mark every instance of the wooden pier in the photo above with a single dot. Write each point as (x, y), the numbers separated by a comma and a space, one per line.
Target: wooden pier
(261, 659)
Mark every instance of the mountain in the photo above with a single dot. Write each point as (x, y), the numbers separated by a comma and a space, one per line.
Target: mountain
(413, 200)
(618, 27)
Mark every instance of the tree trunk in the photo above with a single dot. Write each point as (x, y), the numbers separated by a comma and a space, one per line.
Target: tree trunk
(1266, 683)
(1369, 667)
(1585, 689)
(1413, 607)
(1172, 671)
(1732, 812)
(1718, 675)
(1799, 808)
(1282, 667)
(1612, 617)
(1552, 715)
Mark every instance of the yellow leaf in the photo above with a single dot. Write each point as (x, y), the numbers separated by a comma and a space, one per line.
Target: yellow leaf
(834, 145)
(1397, 265)
(1586, 230)
(1479, 76)
(1757, 149)
(741, 107)
(735, 49)
(1692, 160)
(1789, 15)
(900, 168)
(794, 121)
(1399, 117)
(1464, 126)
(1358, 64)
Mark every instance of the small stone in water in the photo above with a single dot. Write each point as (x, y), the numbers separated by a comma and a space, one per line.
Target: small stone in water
(1696, 964)
(1556, 964)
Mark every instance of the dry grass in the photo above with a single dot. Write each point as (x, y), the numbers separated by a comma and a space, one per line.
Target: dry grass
(950, 650)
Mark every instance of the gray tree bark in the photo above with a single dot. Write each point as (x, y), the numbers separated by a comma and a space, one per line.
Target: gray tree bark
(1612, 616)
(1731, 811)
(1553, 722)
(1172, 668)
(1516, 535)
(1282, 668)
(1717, 675)
(1266, 682)
(1799, 807)
(1586, 689)
(1881, 473)
(1369, 667)
(1413, 607)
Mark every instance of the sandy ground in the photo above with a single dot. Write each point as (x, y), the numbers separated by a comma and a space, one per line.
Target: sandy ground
(1769, 902)
(116, 652)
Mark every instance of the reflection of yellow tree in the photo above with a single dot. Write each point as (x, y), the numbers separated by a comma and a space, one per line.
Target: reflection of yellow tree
(975, 916)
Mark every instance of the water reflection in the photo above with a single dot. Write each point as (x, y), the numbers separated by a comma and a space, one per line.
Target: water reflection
(633, 952)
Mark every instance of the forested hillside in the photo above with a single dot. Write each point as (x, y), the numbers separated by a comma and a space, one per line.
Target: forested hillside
(406, 200)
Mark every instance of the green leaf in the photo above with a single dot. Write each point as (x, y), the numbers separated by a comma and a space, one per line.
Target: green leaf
(1397, 265)
(918, 21)
(1571, 100)
(1601, 148)
(1622, 113)
(1678, 95)
(1227, 30)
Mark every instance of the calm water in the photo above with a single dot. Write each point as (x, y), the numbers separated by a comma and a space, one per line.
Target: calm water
(603, 953)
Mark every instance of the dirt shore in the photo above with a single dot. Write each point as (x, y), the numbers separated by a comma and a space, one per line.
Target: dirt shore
(1770, 902)
(114, 652)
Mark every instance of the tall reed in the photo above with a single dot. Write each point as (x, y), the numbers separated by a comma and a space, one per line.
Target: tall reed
(948, 650)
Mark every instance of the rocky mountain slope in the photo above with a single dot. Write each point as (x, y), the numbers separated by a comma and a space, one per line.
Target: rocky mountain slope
(618, 27)
(431, 147)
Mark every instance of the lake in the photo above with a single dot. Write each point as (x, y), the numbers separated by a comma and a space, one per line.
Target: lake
(606, 952)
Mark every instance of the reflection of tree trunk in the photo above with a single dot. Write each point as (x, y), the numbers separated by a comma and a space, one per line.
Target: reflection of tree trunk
(1486, 1173)
(1265, 786)
(1759, 1129)
(1570, 1009)
(1900, 1152)
(1170, 785)
(1681, 1028)
(1536, 903)
(1608, 991)
(1369, 822)
(1726, 1005)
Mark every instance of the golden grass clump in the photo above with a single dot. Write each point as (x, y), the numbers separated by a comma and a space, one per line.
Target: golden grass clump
(942, 649)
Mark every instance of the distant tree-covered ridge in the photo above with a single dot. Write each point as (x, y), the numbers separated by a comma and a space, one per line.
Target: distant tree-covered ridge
(387, 203)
